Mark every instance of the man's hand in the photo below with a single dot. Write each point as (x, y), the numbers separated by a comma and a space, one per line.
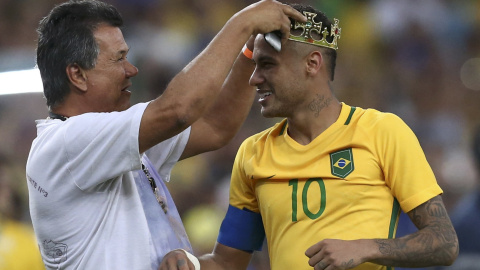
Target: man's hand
(176, 260)
(333, 254)
(268, 15)
(434, 225)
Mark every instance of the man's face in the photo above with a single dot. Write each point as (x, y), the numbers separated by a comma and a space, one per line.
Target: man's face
(108, 81)
(278, 77)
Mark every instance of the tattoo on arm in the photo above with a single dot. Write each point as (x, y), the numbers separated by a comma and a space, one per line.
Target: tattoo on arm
(434, 244)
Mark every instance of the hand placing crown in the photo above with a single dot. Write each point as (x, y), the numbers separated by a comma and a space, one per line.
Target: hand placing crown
(313, 34)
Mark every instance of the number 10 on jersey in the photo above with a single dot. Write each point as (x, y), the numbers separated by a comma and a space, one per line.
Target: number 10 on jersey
(304, 198)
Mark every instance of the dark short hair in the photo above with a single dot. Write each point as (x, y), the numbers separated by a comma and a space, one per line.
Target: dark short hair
(329, 53)
(65, 36)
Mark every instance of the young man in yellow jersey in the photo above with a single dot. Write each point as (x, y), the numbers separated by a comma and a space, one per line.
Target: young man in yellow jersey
(326, 185)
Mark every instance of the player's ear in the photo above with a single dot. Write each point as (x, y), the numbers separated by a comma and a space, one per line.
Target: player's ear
(314, 62)
(77, 76)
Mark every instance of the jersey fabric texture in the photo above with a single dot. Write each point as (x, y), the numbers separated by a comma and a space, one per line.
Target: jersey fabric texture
(348, 183)
(92, 207)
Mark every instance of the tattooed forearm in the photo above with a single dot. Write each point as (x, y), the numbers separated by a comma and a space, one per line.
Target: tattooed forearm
(319, 103)
(433, 208)
(436, 208)
(434, 244)
(434, 215)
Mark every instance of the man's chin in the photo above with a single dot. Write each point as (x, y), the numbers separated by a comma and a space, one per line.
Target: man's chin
(267, 113)
(125, 106)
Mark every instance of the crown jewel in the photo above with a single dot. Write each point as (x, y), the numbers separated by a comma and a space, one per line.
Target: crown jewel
(310, 26)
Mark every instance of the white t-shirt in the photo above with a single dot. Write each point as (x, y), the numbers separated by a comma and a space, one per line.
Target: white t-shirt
(91, 205)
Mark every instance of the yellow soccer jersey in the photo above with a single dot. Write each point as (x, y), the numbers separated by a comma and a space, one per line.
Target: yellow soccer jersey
(348, 183)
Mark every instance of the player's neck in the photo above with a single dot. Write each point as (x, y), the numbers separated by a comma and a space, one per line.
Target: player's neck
(305, 127)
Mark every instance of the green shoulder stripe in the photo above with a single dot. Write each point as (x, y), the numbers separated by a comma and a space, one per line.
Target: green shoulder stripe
(283, 128)
(352, 110)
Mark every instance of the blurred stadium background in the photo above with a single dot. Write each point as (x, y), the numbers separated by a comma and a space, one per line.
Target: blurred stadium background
(418, 59)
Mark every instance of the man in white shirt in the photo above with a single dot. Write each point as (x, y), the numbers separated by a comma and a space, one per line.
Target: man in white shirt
(96, 199)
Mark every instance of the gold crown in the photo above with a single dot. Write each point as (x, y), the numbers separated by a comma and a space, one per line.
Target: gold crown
(310, 26)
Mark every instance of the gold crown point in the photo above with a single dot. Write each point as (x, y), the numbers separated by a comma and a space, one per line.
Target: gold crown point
(311, 25)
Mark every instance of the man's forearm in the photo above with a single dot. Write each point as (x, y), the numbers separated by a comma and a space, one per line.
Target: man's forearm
(199, 83)
(234, 102)
(196, 87)
(434, 244)
(420, 249)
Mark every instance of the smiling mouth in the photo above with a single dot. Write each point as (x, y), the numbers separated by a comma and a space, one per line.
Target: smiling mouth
(266, 94)
(126, 88)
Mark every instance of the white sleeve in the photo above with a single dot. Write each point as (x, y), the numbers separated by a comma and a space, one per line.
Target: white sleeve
(102, 146)
(167, 153)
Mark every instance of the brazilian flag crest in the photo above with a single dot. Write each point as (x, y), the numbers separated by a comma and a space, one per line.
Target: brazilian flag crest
(341, 162)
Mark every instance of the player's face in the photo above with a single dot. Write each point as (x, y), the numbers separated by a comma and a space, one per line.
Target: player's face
(109, 80)
(278, 77)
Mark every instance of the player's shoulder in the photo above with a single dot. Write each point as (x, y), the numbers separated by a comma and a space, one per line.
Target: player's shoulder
(270, 133)
(374, 118)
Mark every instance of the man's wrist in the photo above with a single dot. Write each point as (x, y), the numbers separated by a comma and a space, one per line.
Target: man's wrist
(247, 52)
(194, 260)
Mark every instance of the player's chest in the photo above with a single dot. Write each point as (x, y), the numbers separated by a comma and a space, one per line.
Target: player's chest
(312, 187)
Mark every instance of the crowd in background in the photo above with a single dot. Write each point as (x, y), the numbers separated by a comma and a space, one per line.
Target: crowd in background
(417, 59)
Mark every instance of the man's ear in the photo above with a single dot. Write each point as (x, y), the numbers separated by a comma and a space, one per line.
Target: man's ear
(314, 62)
(77, 76)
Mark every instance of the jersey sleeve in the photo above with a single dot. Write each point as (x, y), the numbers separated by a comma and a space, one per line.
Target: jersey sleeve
(242, 191)
(242, 227)
(167, 153)
(405, 167)
(101, 146)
